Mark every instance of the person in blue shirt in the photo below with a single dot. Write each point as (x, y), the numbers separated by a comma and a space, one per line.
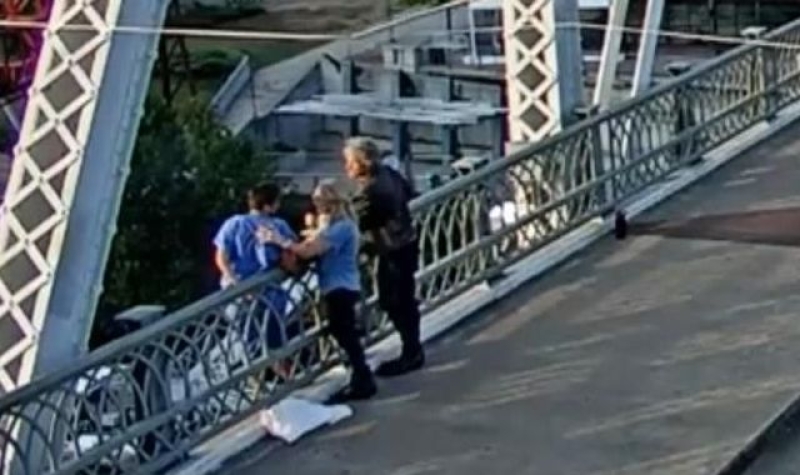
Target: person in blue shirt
(239, 255)
(335, 247)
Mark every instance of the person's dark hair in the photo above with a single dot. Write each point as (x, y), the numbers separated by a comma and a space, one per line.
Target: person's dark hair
(264, 194)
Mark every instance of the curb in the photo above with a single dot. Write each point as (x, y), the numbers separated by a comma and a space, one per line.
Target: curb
(210, 456)
(771, 432)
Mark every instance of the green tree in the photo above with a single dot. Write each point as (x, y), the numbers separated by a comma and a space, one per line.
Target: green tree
(187, 174)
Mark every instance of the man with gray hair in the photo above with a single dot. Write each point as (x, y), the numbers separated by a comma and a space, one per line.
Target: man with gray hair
(385, 220)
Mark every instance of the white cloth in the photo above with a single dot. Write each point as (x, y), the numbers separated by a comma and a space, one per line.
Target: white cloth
(292, 418)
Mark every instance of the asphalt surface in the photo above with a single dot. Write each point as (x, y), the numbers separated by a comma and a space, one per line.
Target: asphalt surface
(660, 354)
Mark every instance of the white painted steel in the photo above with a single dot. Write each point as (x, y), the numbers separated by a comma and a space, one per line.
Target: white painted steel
(66, 180)
(609, 59)
(648, 43)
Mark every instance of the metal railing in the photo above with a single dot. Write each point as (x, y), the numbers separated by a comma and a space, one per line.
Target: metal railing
(141, 403)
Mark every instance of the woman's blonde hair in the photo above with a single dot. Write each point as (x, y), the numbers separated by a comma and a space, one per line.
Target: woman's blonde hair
(328, 194)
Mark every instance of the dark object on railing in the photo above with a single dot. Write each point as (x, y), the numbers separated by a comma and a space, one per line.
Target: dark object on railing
(620, 225)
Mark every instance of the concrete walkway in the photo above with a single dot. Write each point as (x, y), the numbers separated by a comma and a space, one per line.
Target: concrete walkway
(661, 354)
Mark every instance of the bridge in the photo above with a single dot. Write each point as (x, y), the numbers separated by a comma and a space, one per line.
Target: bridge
(630, 356)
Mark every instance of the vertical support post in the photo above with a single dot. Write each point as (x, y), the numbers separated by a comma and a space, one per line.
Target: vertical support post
(473, 37)
(610, 56)
(401, 147)
(604, 195)
(648, 43)
(760, 75)
(65, 188)
(450, 145)
(683, 115)
(350, 86)
(66, 183)
(498, 124)
(544, 74)
(544, 81)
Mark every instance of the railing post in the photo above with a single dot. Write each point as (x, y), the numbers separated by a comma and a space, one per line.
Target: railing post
(770, 78)
(604, 194)
(760, 75)
(684, 116)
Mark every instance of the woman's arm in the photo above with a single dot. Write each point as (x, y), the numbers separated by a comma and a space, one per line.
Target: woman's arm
(307, 249)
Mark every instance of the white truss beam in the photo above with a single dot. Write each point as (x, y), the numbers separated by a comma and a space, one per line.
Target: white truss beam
(609, 59)
(543, 66)
(648, 43)
(66, 180)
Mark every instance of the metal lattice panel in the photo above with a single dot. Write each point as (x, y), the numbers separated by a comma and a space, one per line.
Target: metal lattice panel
(45, 173)
(542, 66)
(531, 69)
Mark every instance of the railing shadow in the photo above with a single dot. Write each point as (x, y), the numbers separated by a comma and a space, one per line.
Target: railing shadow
(774, 227)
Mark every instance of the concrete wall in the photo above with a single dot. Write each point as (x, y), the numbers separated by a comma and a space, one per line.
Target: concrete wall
(303, 131)
(293, 71)
(479, 136)
(296, 131)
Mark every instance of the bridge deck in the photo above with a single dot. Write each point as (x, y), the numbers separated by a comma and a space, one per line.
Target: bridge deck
(661, 354)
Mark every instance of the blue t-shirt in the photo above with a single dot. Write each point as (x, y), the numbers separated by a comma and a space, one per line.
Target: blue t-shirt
(237, 238)
(338, 266)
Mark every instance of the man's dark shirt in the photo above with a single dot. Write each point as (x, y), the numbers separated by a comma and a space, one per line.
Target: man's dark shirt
(383, 211)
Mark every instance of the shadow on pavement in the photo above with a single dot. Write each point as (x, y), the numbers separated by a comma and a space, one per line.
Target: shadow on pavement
(777, 227)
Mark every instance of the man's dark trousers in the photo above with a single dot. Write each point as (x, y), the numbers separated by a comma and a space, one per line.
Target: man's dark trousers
(397, 295)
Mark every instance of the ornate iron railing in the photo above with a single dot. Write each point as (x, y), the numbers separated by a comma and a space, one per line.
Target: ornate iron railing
(141, 403)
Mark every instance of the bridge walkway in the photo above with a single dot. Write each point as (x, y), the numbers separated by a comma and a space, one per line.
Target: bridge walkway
(660, 354)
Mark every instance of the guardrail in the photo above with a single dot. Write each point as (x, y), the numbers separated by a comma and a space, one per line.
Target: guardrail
(142, 402)
(232, 87)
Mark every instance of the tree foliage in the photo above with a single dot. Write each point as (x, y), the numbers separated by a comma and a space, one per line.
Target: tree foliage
(187, 174)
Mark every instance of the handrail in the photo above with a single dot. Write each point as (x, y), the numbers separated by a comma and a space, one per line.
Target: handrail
(212, 363)
(574, 129)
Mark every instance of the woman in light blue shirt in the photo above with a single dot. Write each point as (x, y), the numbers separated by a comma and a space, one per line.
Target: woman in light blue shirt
(335, 246)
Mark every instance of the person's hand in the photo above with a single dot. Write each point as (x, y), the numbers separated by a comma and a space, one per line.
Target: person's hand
(229, 280)
(310, 220)
(268, 235)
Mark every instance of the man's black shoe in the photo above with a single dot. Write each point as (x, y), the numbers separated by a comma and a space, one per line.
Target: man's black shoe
(354, 392)
(402, 365)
